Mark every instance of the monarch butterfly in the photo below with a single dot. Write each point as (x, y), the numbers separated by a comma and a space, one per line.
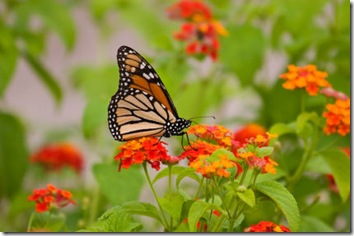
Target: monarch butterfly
(142, 106)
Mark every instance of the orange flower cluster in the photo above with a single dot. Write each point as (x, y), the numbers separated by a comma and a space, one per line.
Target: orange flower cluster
(58, 156)
(199, 153)
(338, 117)
(200, 30)
(267, 226)
(305, 77)
(137, 151)
(208, 166)
(217, 133)
(50, 198)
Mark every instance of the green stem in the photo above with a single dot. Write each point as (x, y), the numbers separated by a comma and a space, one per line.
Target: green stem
(199, 188)
(222, 197)
(29, 226)
(94, 206)
(155, 195)
(244, 174)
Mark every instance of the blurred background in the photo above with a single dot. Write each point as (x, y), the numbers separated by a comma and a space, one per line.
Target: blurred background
(58, 72)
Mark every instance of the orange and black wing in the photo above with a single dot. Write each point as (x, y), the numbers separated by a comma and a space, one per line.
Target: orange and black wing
(142, 106)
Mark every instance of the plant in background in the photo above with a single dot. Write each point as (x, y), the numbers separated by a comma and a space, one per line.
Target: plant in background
(200, 30)
(48, 201)
(56, 156)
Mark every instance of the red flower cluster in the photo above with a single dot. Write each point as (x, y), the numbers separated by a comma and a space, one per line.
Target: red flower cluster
(200, 30)
(57, 156)
(50, 198)
(137, 151)
(267, 226)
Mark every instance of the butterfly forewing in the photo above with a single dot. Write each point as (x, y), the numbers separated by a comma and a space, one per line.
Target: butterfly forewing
(142, 106)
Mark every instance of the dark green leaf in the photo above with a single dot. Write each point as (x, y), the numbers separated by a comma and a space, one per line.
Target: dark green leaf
(13, 154)
(284, 200)
(187, 172)
(45, 76)
(8, 57)
(339, 163)
(264, 151)
(196, 211)
(118, 187)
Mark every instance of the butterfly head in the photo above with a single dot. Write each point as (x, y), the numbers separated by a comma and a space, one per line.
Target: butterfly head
(177, 128)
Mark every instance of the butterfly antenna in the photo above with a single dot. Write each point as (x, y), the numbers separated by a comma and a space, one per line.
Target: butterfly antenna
(198, 117)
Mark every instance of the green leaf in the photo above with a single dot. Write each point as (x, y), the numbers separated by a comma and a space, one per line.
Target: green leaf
(54, 15)
(280, 129)
(45, 76)
(141, 208)
(48, 221)
(13, 154)
(94, 117)
(247, 197)
(187, 172)
(242, 51)
(8, 57)
(196, 211)
(284, 200)
(172, 203)
(118, 187)
(339, 163)
(165, 172)
(264, 151)
(313, 225)
(218, 152)
(114, 220)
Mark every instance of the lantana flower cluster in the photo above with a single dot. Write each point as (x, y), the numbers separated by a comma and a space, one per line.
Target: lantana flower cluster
(50, 198)
(200, 30)
(200, 153)
(267, 226)
(57, 156)
(337, 114)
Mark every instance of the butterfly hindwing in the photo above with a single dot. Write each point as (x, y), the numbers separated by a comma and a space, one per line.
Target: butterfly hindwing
(142, 106)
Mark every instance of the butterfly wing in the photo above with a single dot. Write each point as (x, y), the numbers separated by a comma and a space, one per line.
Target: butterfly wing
(142, 106)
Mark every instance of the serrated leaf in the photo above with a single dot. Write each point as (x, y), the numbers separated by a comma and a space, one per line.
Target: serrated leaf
(114, 220)
(172, 203)
(118, 187)
(339, 164)
(283, 199)
(247, 197)
(45, 77)
(141, 208)
(13, 154)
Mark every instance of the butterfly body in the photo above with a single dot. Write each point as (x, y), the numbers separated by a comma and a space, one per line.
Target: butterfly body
(142, 106)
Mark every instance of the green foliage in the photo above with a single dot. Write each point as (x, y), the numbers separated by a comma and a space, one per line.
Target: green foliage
(118, 187)
(245, 68)
(283, 199)
(114, 220)
(13, 154)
